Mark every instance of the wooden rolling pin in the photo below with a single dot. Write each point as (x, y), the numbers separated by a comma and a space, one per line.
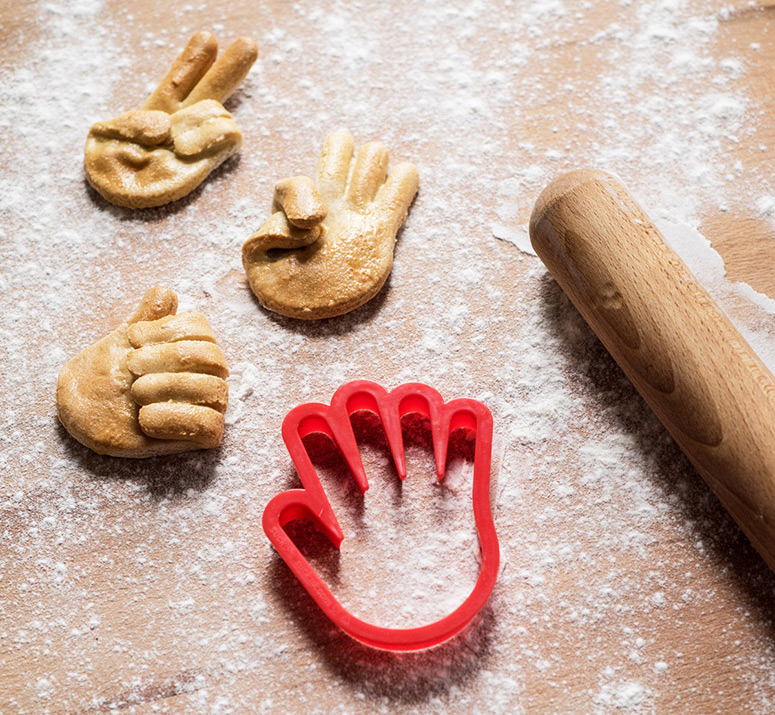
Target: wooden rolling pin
(705, 383)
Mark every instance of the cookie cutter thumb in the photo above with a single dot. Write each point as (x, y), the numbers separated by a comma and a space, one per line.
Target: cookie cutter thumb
(310, 503)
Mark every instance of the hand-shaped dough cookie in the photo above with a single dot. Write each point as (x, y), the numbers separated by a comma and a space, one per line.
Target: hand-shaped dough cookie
(155, 385)
(324, 254)
(164, 150)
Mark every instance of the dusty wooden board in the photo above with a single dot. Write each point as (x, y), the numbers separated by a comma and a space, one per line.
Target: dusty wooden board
(129, 597)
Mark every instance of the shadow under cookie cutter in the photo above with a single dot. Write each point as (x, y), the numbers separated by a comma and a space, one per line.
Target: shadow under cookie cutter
(311, 504)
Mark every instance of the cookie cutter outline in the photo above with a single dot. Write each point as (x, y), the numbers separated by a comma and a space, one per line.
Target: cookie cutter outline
(310, 503)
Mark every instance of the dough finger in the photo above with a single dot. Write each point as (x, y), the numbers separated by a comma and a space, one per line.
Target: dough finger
(299, 199)
(171, 329)
(191, 387)
(183, 356)
(368, 175)
(204, 127)
(334, 165)
(180, 421)
(277, 232)
(226, 74)
(187, 69)
(396, 195)
(157, 302)
(141, 126)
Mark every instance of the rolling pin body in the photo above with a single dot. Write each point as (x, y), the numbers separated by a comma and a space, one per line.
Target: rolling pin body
(684, 356)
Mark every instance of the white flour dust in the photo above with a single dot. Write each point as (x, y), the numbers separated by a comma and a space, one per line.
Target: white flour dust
(149, 586)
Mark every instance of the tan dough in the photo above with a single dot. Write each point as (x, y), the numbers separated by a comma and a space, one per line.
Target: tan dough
(155, 385)
(328, 248)
(164, 150)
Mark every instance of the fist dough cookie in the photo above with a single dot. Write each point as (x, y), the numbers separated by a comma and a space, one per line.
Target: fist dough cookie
(328, 246)
(164, 150)
(155, 385)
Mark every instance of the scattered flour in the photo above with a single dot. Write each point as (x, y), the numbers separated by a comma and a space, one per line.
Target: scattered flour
(150, 584)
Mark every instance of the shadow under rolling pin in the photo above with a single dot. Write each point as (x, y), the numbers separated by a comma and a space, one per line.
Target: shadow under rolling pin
(684, 356)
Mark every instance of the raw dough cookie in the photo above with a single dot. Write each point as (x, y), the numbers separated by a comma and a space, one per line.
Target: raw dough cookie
(328, 249)
(164, 150)
(154, 386)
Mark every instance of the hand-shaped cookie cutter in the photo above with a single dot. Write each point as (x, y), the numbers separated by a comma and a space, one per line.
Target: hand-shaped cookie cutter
(311, 504)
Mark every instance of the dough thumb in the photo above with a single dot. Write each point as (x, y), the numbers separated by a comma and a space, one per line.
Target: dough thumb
(157, 302)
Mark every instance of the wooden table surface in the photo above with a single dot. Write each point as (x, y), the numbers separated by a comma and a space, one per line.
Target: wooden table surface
(150, 587)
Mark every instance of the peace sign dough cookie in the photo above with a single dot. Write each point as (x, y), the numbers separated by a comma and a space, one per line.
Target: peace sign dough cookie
(164, 150)
(153, 386)
(328, 246)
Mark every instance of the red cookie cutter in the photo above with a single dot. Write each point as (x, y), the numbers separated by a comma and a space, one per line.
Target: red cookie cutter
(311, 503)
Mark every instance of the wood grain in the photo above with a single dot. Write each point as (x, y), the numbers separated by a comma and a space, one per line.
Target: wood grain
(742, 237)
(682, 353)
(171, 600)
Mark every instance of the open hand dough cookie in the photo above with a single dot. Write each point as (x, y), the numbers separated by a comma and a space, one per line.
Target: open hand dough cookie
(155, 385)
(164, 150)
(328, 247)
